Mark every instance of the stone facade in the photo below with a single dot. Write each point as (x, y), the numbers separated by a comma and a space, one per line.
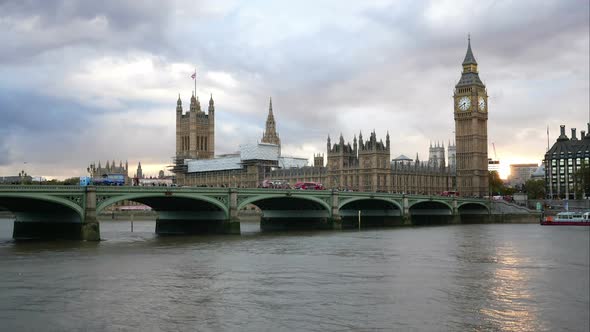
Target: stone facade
(195, 131)
(452, 154)
(471, 130)
(364, 166)
(436, 155)
(367, 166)
(318, 160)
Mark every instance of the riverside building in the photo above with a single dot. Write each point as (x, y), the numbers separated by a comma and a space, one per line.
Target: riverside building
(563, 164)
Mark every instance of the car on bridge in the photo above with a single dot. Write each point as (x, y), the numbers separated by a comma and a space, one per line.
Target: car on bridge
(450, 193)
(309, 186)
(275, 184)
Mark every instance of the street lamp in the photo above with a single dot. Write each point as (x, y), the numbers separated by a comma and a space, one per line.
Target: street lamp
(22, 176)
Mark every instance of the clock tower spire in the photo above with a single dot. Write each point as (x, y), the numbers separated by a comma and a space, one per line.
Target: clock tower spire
(471, 129)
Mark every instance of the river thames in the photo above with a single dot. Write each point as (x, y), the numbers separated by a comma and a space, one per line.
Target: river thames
(488, 277)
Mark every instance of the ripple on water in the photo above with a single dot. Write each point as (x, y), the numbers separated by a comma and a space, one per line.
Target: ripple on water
(458, 278)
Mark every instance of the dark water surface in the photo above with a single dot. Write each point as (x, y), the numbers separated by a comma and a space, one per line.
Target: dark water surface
(446, 278)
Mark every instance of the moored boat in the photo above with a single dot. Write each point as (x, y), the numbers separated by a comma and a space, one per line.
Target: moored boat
(568, 219)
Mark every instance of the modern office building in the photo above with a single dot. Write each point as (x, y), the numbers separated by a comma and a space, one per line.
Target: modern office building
(521, 173)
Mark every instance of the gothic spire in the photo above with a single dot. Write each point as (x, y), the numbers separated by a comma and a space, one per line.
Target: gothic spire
(469, 58)
(179, 105)
(270, 134)
(270, 106)
(193, 106)
(211, 106)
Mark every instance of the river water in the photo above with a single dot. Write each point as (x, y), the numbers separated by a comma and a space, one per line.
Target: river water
(490, 277)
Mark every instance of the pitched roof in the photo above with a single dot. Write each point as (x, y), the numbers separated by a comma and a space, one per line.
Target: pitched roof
(469, 58)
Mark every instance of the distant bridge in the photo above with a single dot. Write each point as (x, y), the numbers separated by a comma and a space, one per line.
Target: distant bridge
(70, 211)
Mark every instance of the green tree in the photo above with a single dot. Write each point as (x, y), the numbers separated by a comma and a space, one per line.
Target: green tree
(52, 182)
(535, 188)
(496, 184)
(71, 181)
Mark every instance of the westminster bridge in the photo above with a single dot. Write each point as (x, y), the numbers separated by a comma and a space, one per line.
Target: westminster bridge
(71, 211)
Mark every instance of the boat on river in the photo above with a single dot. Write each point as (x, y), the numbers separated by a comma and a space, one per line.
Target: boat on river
(568, 219)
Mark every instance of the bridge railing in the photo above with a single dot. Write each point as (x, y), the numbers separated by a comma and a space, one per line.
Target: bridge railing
(44, 188)
(4, 187)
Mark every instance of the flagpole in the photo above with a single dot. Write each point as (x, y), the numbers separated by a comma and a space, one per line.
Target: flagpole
(195, 79)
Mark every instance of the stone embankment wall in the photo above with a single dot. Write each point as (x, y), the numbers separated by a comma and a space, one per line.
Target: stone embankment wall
(558, 205)
(504, 212)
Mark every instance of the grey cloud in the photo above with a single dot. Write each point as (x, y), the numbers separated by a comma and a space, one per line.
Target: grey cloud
(5, 157)
(330, 80)
(51, 25)
(36, 113)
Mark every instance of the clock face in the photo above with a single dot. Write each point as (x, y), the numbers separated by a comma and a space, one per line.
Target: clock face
(481, 103)
(464, 103)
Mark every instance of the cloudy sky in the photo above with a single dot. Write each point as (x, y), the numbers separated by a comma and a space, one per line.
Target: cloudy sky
(83, 81)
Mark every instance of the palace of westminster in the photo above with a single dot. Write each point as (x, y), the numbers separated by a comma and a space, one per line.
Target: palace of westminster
(366, 165)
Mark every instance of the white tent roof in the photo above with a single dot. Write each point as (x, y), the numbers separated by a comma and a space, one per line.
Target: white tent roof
(402, 157)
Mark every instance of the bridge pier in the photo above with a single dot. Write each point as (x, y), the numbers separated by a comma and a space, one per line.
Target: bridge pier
(232, 225)
(406, 218)
(46, 230)
(336, 219)
(90, 229)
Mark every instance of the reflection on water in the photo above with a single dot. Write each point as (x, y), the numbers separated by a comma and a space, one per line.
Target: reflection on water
(450, 278)
(511, 308)
(502, 279)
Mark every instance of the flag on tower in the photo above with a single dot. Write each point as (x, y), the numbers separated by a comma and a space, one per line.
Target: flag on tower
(194, 75)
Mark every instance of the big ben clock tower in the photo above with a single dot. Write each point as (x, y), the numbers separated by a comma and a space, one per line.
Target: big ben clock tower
(471, 130)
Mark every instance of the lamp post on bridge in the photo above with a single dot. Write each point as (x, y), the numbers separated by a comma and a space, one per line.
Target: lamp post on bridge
(22, 175)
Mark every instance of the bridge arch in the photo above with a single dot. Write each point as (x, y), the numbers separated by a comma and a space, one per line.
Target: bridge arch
(14, 201)
(42, 216)
(178, 213)
(473, 208)
(428, 203)
(430, 212)
(347, 201)
(286, 197)
(154, 199)
(291, 211)
(370, 211)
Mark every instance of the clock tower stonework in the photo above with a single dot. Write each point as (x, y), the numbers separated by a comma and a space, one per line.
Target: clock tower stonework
(471, 130)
